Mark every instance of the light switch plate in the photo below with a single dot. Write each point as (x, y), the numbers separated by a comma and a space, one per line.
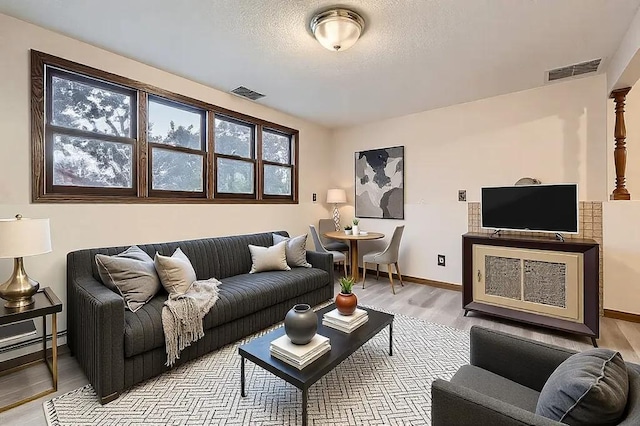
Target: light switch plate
(442, 261)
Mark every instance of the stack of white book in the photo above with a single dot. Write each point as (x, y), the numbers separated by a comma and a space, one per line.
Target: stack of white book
(299, 355)
(345, 323)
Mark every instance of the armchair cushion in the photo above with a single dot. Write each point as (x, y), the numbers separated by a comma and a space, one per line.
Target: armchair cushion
(490, 384)
(589, 388)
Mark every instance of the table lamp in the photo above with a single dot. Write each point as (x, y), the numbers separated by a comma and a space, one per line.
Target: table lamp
(336, 196)
(21, 237)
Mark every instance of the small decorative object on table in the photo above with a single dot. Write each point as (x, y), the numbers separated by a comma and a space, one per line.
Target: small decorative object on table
(299, 355)
(356, 228)
(345, 323)
(301, 324)
(346, 301)
(347, 230)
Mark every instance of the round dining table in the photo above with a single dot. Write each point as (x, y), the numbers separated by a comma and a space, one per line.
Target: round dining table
(353, 243)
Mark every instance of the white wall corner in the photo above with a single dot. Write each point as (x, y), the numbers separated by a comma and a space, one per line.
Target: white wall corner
(624, 67)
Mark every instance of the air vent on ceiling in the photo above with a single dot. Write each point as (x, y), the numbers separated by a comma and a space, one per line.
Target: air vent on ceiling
(247, 93)
(574, 70)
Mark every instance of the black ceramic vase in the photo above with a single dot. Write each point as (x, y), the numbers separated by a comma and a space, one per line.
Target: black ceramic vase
(301, 324)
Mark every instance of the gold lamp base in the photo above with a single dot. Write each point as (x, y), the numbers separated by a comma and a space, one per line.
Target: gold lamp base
(18, 291)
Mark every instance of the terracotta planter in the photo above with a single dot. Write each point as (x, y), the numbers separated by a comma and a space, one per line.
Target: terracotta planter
(346, 303)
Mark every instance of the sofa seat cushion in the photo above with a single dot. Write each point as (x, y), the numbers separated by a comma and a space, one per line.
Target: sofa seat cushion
(242, 295)
(495, 386)
(239, 296)
(143, 328)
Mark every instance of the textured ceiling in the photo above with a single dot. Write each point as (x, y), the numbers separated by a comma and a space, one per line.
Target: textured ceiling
(414, 55)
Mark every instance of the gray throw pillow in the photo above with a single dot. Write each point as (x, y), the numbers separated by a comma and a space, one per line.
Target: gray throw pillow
(588, 388)
(176, 272)
(295, 249)
(130, 274)
(272, 258)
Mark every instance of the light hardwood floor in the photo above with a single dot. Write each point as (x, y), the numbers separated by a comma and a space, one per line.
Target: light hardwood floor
(432, 304)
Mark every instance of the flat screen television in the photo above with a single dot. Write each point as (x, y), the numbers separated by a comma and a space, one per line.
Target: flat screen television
(542, 208)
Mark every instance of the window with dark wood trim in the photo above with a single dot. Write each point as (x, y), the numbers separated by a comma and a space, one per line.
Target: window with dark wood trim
(277, 164)
(100, 137)
(90, 135)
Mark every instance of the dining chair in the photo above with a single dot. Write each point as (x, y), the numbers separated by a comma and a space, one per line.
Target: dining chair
(327, 225)
(338, 257)
(388, 256)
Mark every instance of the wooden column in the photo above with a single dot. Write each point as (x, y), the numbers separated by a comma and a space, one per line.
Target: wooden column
(620, 152)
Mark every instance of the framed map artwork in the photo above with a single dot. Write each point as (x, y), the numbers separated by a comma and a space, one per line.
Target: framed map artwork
(380, 183)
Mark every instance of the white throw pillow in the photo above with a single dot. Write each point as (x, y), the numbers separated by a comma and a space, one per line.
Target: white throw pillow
(176, 272)
(272, 258)
(296, 250)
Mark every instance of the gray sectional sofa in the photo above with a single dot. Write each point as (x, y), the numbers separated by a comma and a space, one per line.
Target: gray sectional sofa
(118, 348)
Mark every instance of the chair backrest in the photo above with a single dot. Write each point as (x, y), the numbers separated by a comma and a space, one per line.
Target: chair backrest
(316, 240)
(394, 245)
(324, 226)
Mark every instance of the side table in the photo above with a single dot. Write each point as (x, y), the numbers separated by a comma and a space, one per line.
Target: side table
(46, 303)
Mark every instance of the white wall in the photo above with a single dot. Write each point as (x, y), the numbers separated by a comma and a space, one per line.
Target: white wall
(75, 226)
(556, 133)
(623, 69)
(621, 219)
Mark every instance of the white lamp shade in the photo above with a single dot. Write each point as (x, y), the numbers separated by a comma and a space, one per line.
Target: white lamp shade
(336, 196)
(337, 33)
(24, 237)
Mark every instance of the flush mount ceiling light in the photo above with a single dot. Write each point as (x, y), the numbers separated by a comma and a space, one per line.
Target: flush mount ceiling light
(337, 29)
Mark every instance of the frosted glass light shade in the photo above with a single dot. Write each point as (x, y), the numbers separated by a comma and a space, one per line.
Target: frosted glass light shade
(337, 29)
(24, 237)
(336, 196)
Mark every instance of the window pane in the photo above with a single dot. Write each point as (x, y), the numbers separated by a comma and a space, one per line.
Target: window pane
(277, 180)
(175, 126)
(276, 147)
(176, 171)
(82, 106)
(233, 138)
(90, 162)
(235, 176)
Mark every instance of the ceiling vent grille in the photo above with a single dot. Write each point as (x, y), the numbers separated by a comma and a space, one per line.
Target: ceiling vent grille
(574, 70)
(247, 93)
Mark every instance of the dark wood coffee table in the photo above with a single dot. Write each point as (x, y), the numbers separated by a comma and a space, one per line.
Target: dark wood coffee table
(342, 345)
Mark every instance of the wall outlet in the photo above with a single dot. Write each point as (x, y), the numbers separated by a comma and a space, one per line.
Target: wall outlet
(441, 260)
(462, 195)
(315, 197)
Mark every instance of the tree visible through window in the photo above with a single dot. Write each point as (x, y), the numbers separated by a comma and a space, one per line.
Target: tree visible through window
(91, 128)
(235, 157)
(176, 138)
(276, 155)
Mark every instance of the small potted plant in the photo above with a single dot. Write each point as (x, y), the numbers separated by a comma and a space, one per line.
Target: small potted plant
(347, 230)
(346, 301)
(356, 229)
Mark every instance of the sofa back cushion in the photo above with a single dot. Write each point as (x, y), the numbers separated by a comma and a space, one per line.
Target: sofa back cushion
(218, 257)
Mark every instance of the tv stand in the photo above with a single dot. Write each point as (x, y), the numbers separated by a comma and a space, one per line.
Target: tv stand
(540, 281)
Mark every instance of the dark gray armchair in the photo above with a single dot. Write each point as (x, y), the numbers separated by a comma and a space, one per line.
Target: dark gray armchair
(502, 384)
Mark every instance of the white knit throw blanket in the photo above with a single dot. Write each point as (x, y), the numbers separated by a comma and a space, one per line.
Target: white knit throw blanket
(182, 316)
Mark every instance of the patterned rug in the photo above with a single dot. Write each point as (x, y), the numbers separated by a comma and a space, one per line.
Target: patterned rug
(368, 388)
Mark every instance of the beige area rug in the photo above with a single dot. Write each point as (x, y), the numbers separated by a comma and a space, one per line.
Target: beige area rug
(368, 388)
